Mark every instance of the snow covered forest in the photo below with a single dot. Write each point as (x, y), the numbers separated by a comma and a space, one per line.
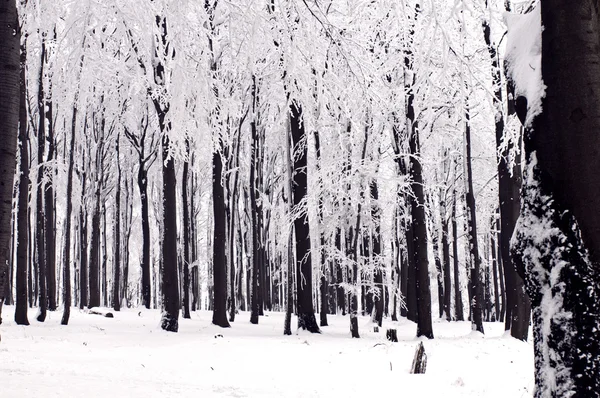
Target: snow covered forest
(307, 191)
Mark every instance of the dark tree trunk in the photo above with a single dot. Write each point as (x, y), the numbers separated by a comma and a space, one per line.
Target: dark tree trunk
(458, 304)
(501, 275)
(142, 180)
(475, 279)
(232, 228)
(440, 272)
(289, 301)
(341, 296)
(219, 242)
(186, 235)
(49, 197)
(561, 195)
(323, 285)
(495, 275)
(40, 216)
(83, 249)
(169, 281)
(518, 312)
(306, 313)
(424, 326)
(24, 186)
(375, 216)
(67, 242)
(116, 287)
(256, 256)
(104, 284)
(446, 259)
(94, 269)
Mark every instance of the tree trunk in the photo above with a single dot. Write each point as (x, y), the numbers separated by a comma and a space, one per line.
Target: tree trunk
(116, 299)
(142, 180)
(67, 242)
(94, 268)
(219, 242)
(83, 269)
(375, 216)
(306, 313)
(458, 304)
(24, 186)
(475, 279)
(561, 195)
(186, 235)
(169, 282)
(289, 308)
(323, 285)
(40, 217)
(495, 275)
(446, 259)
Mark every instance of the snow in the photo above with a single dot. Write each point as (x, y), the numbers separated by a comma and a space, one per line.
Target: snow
(524, 57)
(129, 355)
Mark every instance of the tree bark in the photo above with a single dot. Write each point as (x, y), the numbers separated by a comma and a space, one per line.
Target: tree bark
(475, 266)
(219, 242)
(186, 234)
(306, 313)
(116, 299)
(560, 198)
(458, 304)
(376, 219)
(24, 186)
(40, 216)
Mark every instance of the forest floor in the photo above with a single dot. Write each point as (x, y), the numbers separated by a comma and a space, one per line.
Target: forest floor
(130, 356)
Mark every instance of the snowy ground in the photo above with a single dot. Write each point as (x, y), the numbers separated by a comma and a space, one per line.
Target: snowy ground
(129, 356)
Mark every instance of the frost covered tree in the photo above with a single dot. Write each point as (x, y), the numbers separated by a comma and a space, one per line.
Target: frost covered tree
(557, 240)
(9, 128)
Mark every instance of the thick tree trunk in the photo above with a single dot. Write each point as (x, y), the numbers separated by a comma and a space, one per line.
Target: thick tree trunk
(509, 182)
(24, 186)
(169, 281)
(219, 242)
(306, 313)
(557, 240)
(475, 278)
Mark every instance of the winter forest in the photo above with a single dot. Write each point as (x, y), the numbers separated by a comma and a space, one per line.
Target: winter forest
(321, 197)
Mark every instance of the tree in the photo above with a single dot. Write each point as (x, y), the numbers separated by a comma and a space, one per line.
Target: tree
(509, 184)
(9, 128)
(306, 312)
(558, 235)
(24, 187)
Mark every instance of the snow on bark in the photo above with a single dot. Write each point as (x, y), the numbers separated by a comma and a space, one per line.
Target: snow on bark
(524, 58)
(559, 279)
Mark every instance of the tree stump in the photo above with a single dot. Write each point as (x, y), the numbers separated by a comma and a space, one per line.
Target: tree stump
(419, 364)
(392, 335)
